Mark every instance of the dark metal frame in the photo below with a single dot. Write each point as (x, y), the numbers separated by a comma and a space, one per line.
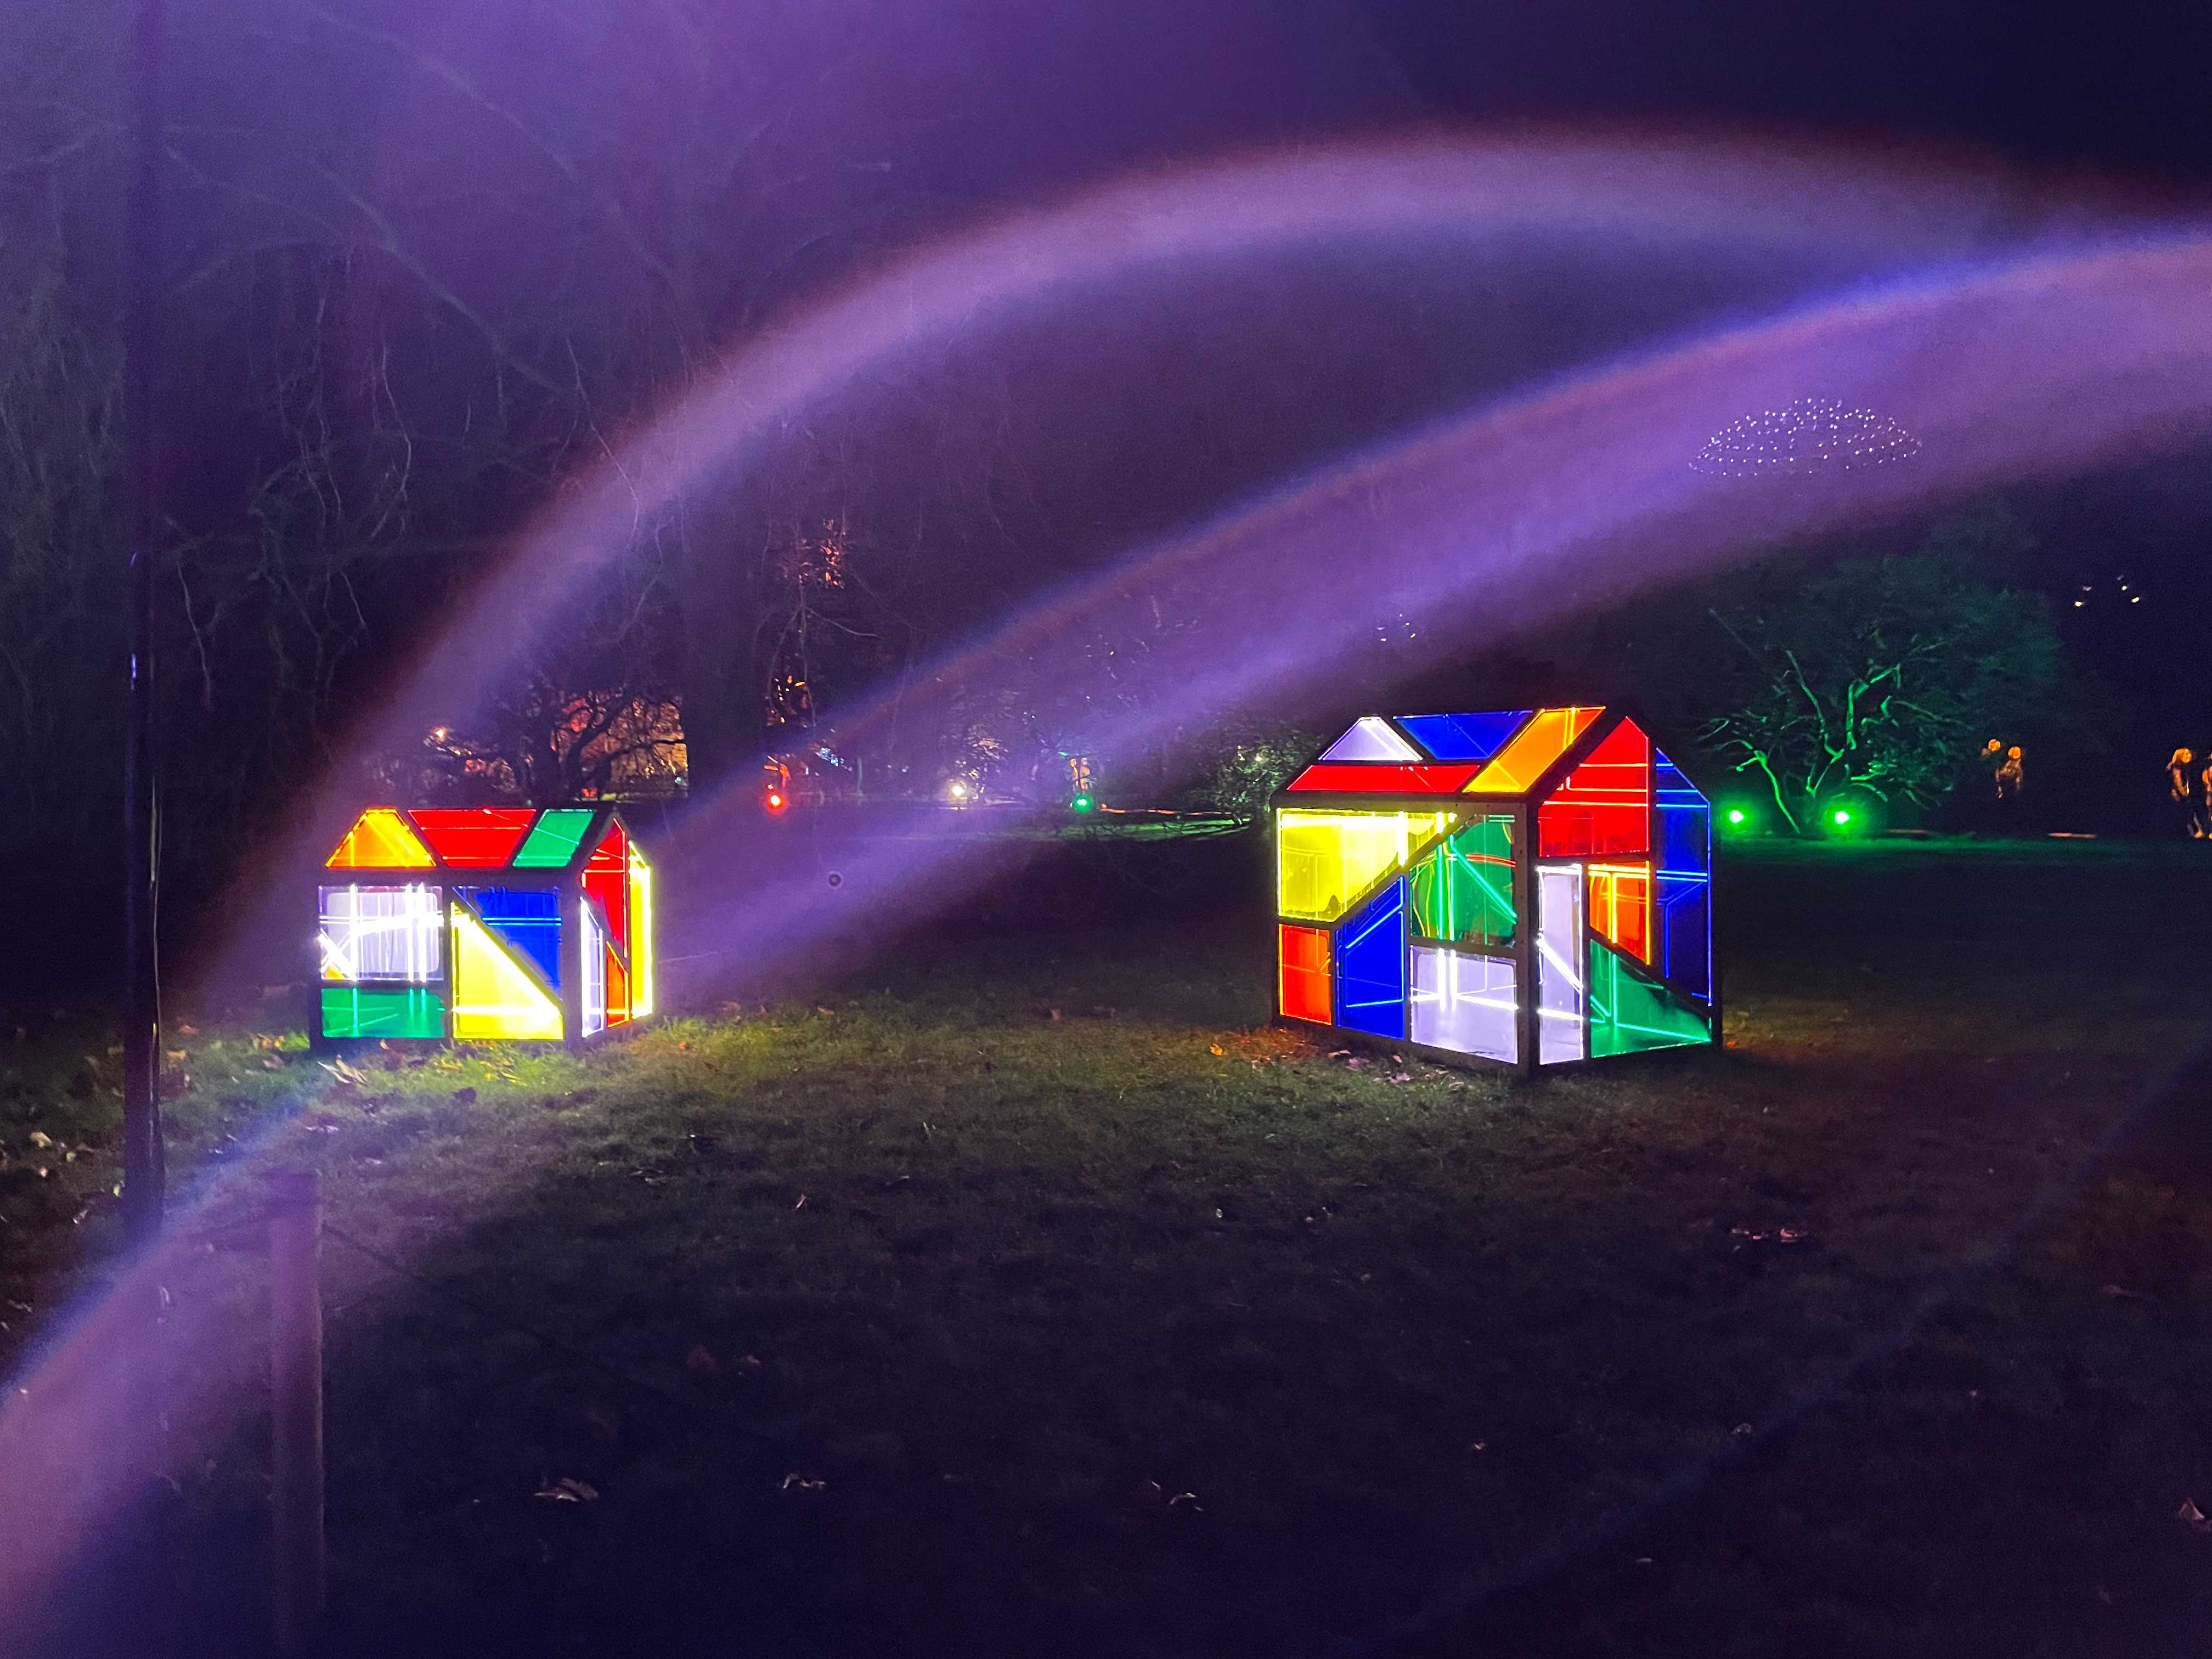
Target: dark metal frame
(1523, 806)
(565, 878)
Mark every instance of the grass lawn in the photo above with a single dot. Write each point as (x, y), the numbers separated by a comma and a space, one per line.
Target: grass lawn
(1027, 1293)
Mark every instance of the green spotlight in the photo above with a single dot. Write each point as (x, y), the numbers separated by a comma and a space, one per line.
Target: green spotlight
(1736, 815)
(1841, 815)
(1081, 803)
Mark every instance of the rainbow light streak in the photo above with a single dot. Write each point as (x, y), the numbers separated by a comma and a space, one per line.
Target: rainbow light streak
(1572, 494)
(1859, 218)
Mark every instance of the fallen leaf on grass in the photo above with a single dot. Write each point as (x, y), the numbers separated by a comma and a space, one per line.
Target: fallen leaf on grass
(802, 1202)
(270, 1063)
(1216, 1048)
(802, 1483)
(41, 1138)
(750, 1366)
(2192, 1515)
(566, 1490)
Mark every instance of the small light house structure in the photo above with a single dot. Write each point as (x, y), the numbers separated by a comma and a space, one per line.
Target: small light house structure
(1531, 886)
(485, 923)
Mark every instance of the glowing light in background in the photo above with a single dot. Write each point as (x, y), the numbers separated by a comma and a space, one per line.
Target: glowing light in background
(1850, 217)
(1808, 433)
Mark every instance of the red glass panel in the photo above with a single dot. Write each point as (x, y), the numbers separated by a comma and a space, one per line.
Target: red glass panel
(474, 837)
(1605, 805)
(606, 879)
(1347, 779)
(1305, 973)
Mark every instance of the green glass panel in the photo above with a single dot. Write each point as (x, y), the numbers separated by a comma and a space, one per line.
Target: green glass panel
(555, 838)
(349, 1013)
(1628, 1013)
(1464, 889)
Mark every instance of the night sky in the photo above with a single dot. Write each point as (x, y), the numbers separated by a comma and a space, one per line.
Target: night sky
(2115, 96)
(2126, 87)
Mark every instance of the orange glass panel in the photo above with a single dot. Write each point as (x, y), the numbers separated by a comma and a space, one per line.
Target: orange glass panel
(1303, 953)
(1621, 907)
(618, 1008)
(474, 837)
(606, 879)
(1549, 734)
(1604, 806)
(380, 840)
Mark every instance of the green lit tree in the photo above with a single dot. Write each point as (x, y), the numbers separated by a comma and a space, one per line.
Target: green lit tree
(1882, 675)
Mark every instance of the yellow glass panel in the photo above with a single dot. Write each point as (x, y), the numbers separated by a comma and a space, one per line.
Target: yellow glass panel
(380, 840)
(493, 995)
(640, 934)
(1326, 861)
(1548, 735)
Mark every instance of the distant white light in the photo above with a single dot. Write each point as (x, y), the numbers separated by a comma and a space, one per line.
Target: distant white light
(1809, 433)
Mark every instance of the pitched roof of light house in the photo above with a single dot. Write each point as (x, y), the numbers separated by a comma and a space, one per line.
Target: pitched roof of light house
(1509, 753)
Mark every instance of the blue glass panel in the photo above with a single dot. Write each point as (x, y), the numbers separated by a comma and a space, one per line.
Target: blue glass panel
(527, 920)
(1683, 951)
(1371, 965)
(1463, 737)
(1684, 947)
(1686, 820)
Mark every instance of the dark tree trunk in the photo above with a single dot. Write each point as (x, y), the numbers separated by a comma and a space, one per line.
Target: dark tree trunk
(725, 682)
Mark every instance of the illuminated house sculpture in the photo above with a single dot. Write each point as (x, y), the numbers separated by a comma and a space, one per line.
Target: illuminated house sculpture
(483, 922)
(1532, 887)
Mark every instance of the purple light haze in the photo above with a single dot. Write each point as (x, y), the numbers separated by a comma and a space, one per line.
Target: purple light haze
(1568, 495)
(1863, 220)
(1576, 495)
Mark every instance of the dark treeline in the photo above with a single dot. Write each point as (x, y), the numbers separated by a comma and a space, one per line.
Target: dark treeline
(424, 263)
(421, 264)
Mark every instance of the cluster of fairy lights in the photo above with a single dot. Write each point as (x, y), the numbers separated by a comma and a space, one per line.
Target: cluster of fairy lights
(1809, 433)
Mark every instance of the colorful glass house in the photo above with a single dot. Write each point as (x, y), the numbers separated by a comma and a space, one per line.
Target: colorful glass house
(483, 922)
(1533, 887)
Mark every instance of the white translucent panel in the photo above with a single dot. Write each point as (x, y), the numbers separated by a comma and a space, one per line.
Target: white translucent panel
(1466, 1002)
(1370, 739)
(595, 974)
(389, 935)
(1559, 1003)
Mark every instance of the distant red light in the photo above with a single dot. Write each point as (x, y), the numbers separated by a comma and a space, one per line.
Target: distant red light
(775, 800)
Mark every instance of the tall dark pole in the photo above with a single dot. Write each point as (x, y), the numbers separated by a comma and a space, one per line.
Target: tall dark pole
(143, 1174)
